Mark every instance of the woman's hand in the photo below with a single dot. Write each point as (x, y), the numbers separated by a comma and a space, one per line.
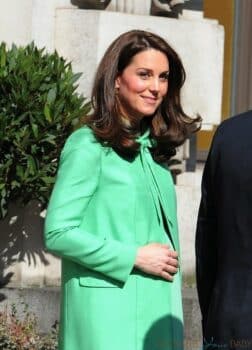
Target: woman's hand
(157, 259)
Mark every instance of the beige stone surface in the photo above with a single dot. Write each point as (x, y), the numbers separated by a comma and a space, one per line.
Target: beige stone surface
(16, 21)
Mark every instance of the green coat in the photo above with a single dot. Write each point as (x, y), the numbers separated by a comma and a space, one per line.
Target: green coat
(102, 208)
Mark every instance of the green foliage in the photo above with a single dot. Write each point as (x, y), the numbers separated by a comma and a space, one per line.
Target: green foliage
(21, 333)
(39, 107)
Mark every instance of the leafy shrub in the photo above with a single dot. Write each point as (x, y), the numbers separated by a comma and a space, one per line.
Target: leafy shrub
(39, 107)
(22, 333)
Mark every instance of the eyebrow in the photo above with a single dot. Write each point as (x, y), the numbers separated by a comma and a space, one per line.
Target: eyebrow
(151, 70)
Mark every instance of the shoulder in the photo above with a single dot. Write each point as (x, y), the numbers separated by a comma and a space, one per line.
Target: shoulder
(234, 124)
(81, 147)
(81, 136)
(82, 139)
(236, 128)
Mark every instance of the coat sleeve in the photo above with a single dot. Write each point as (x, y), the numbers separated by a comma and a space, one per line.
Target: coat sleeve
(206, 231)
(77, 180)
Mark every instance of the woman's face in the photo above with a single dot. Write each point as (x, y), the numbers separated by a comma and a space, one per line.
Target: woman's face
(143, 84)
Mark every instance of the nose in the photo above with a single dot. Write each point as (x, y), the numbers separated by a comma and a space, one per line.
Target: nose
(154, 85)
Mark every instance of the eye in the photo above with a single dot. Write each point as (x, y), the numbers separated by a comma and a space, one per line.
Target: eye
(164, 76)
(144, 74)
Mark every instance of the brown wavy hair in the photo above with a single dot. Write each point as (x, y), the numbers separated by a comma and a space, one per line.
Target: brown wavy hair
(169, 125)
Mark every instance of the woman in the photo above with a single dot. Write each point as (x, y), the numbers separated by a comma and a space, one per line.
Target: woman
(112, 213)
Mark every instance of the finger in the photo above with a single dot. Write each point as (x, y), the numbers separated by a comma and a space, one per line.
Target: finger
(171, 269)
(167, 276)
(172, 262)
(173, 254)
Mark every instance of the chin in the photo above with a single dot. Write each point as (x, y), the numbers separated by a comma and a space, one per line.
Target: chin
(149, 112)
(144, 113)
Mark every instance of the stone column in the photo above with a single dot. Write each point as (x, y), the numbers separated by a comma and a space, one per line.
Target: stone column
(137, 7)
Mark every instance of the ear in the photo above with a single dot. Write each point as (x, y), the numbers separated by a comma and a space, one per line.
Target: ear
(117, 82)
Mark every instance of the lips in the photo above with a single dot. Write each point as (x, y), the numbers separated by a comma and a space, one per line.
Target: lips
(150, 100)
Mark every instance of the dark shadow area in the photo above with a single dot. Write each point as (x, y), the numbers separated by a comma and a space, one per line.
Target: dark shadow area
(21, 233)
(192, 160)
(165, 334)
(91, 4)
